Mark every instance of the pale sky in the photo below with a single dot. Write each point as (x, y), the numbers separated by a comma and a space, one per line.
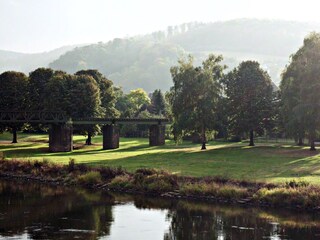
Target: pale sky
(42, 25)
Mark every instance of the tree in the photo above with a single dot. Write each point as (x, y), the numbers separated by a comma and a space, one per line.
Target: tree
(158, 103)
(37, 82)
(248, 89)
(107, 99)
(290, 98)
(301, 78)
(13, 96)
(78, 96)
(107, 93)
(194, 95)
(36, 96)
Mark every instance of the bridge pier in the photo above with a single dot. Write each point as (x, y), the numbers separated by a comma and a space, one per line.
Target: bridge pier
(60, 138)
(156, 135)
(110, 136)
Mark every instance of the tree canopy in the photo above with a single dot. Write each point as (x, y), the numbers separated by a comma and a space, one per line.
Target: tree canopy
(248, 90)
(300, 89)
(194, 95)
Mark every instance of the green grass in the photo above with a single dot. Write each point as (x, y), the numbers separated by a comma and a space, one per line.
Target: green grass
(266, 162)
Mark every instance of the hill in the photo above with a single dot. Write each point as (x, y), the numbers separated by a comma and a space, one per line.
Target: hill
(26, 62)
(144, 61)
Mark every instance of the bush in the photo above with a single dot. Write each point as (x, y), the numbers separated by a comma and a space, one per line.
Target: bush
(306, 197)
(123, 181)
(109, 173)
(71, 165)
(296, 183)
(92, 177)
(213, 189)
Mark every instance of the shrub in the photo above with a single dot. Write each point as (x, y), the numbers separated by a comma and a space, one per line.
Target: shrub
(92, 177)
(123, 181)
(37, 164)
(109, 173)
(83, 168)
(146, 171)
(154, 180)
(282, 196)
(296, 183)
(213, 189)
(71, 165)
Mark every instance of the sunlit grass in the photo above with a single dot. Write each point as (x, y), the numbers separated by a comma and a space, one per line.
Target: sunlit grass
(271, 162)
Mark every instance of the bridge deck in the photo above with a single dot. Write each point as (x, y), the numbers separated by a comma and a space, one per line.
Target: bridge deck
(60, 117)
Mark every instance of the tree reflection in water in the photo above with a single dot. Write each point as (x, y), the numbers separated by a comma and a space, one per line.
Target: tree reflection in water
(36, 211)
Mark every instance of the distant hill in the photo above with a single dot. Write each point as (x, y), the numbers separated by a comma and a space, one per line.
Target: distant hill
(130, 63)
(144, 61)
(25, 62)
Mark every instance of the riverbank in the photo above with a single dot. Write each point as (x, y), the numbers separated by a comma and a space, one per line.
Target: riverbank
(293, 194)
(271, 162)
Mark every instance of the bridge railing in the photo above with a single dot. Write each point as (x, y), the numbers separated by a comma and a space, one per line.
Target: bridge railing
(61, 117)
(32, 117)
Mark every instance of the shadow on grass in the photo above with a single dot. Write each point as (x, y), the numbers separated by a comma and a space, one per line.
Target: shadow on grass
(262, 163)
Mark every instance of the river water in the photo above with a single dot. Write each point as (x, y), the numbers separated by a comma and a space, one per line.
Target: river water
(35, 211)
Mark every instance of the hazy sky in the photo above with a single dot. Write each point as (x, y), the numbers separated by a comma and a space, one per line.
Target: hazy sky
(41, 25)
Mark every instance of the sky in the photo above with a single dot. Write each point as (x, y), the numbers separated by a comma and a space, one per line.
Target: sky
(41, 25)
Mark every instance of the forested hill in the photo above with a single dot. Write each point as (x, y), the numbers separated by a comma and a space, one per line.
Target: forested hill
(27, 62)
(144, 61)
(130, 63)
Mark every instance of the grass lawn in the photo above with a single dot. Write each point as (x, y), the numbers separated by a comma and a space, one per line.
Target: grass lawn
(264, 162)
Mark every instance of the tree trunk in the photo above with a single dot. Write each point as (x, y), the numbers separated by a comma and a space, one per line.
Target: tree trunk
(300, 141)
(88, 141)
(14, 135)
(312, 144)
(251, 138)
(203, 137)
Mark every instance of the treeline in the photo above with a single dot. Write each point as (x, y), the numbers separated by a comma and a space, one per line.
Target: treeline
(243, 103)
(85, 94)
(203, 101)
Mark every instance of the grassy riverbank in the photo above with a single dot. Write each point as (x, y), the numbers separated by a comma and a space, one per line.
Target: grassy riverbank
(296, 195)
(267, 162)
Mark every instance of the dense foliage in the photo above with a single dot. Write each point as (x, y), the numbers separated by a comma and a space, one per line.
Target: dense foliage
(300, 89)
(145, 61)
(195, 94)
(204, 100)
(249, 97)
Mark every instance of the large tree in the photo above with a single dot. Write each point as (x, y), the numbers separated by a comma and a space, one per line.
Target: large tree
(13, 96)
(107, 93)
(107, 99)
(194, 95)
(36, 95)
(37, 82)
(301, 79)
(249, 93)
(78, 96)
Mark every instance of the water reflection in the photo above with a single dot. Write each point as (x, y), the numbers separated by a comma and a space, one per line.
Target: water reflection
(34, 211)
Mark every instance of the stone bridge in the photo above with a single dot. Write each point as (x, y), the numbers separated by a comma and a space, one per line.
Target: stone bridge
(61, 127)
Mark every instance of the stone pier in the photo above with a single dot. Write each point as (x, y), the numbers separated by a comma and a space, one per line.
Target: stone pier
(60, 138)
(156, 135)
(110, 136)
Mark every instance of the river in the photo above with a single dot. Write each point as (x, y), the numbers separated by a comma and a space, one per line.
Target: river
(37, 211)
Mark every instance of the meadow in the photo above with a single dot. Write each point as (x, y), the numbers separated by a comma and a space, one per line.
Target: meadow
(265, 162)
